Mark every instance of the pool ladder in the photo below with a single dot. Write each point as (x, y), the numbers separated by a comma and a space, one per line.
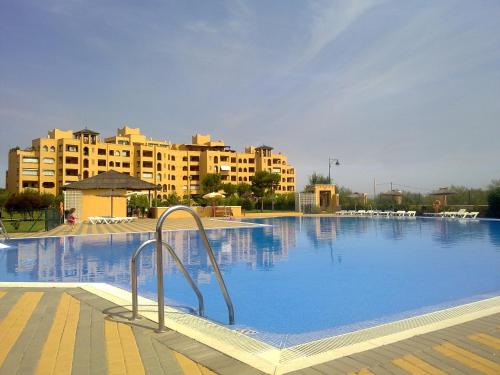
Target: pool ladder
(160, 244)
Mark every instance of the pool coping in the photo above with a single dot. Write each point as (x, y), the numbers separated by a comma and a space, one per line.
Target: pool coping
(273, 360)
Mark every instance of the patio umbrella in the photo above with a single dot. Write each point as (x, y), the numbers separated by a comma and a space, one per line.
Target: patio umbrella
(443, 192)
(214, 196)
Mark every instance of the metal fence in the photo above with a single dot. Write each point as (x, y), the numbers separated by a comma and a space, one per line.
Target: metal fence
(305, 202)
(31, 220)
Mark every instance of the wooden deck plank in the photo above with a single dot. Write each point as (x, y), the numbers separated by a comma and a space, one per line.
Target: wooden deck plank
(57, 353)
(469, 359)
(24, 355)
(415, 366)
(13, 324)
(485, 339)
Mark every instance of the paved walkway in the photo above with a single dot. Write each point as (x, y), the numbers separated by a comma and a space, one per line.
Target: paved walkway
(70, 331)
(48, 331)
(140, 225)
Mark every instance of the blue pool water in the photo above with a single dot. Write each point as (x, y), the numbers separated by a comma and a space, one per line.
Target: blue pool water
(296, 276)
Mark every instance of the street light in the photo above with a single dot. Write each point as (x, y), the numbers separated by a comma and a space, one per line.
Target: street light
(332, 161)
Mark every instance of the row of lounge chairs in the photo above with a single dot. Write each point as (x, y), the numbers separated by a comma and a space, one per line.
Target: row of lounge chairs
(110, 220)
(460, 214)
(376, 213)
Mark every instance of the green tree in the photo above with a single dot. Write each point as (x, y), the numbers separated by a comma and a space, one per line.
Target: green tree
(494, 202)
(139, 203)
(211, 182)
(4, 195)
(316, 179)
(229, 189)
(244, 190)
(264, 184)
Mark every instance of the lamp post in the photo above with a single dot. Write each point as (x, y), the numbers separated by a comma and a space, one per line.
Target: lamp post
(332, 161)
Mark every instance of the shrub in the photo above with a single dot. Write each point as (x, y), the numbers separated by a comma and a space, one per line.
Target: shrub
(494, 202)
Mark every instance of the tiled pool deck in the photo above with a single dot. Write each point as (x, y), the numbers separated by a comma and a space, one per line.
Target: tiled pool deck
(72, 331)
(140, 225)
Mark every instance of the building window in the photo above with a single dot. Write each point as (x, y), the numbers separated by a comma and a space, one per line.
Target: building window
(71, 172)
(101, 151)
(147, 154)
(147, 164)
(72, 148)
(173, 167)
(185, 158)
(27, 159)
(158, 167)
(86, 151)
(147, 175)
(117, 153)
(85, 174)
(49, 172)
(49, 160)
(30, 172)
(45, 149)
(251, 160)
(126, 165)
(194, 158)
(52, 149)
(111, 164)
(158, 155)
(101, 163)
(172, 158)
(158, 176)
(48, 185)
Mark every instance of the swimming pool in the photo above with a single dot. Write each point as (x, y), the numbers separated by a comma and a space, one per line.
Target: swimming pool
(296, 279)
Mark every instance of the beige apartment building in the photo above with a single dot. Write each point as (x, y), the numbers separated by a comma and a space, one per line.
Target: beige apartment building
(66, 156)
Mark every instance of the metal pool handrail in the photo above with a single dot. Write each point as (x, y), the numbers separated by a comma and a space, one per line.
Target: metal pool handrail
(159, 263)
(159, 266)
(180, 265)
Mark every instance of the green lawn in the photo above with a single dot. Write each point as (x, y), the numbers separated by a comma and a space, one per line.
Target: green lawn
(14, 226)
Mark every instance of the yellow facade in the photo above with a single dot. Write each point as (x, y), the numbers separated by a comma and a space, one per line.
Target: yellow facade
(66, 156)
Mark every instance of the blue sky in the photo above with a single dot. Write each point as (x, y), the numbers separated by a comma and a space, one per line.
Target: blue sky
(402, 91)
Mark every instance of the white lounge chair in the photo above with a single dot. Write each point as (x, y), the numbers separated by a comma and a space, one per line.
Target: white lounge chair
(95, 220)
(472, 215)
(361, 212)
(459, 213)
(400, 213)
(411, 213)
(384, 213)
(370, 212)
